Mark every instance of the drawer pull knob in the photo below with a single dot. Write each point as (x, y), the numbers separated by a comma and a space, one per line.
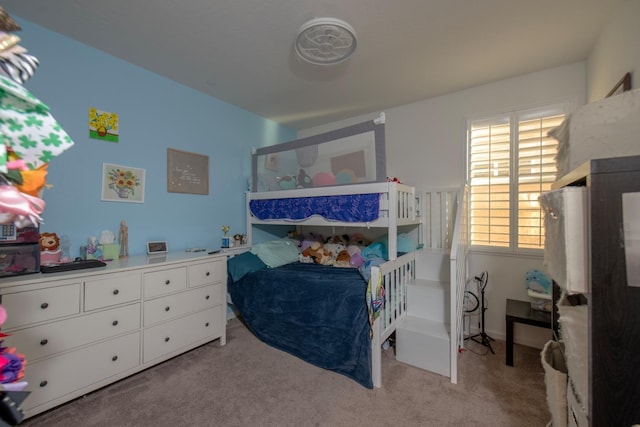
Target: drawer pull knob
(114, 358)
(44, 383)
(167, 308)
(206, 325)
(166, 339)
(115, 323)
(208, 273)
(44, 341)
(166, 282)
(44, 305)
(207, 297)
(116, 292)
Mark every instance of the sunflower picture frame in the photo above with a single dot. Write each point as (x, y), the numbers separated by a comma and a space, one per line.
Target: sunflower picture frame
(122, 183)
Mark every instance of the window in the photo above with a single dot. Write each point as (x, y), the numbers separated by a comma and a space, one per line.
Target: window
(511, 162)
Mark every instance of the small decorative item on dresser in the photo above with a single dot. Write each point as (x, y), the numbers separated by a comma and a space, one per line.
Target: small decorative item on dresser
(123, 238)
(226, 240)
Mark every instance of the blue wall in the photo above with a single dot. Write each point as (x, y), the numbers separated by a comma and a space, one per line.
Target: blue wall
(155, 114)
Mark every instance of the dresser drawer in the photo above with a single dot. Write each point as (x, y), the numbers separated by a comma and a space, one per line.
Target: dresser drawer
(26, 308)
(117, 289)
(177, 305)
(55, 377)
(206, 273)
(171, 336)
(56, 337)
(165, 281)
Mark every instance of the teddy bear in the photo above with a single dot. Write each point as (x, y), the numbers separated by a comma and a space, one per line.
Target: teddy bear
(49, 242)
(50, 250)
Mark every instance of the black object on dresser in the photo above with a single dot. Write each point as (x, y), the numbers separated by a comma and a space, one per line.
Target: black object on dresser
(613, 305)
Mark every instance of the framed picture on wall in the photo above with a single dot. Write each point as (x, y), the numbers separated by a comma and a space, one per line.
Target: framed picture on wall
(187, 172)
(122, 183)
(272, 162)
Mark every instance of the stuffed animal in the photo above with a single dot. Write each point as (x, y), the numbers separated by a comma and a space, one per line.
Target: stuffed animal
(358, 239)
(335, 248)
(538, 281)
(356, 260)
(319, 254)
(50, 250)
(304, 180)
(49, 242)
(343, 238)
(305, 259)
(355, 257)
(343, 259)
(311, 238)
(287, 182)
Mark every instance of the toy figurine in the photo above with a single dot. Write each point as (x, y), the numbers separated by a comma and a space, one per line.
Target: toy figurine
(123, 238)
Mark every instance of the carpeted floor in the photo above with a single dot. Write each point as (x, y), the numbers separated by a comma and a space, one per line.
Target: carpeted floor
(247, 383)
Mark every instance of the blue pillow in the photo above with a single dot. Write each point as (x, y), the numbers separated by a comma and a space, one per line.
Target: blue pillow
(277, 252)
(405, 243)
(242, 264)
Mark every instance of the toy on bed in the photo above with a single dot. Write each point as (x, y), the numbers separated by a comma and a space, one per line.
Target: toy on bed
(319, 254)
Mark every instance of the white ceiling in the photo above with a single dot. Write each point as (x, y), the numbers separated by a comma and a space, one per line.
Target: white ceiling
(241, 51)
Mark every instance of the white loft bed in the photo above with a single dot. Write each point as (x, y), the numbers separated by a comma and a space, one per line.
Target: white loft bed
(399, 206)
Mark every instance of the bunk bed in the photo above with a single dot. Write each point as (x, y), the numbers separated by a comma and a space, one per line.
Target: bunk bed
(331, 317)
(335, 318)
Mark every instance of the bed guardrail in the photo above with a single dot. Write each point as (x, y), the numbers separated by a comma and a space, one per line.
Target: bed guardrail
(439, 207)
(396, 275)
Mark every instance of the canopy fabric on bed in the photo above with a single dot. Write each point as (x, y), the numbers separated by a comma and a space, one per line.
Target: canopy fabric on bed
(347, 208)
(315, 312)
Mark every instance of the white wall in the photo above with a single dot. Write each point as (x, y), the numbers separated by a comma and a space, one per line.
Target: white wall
(616, 52)
(425, 144)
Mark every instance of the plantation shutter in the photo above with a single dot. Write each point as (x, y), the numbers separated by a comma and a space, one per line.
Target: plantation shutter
(536, 172)
(490, 180)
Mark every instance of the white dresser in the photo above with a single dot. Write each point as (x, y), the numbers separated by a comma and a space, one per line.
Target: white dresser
(84, 329)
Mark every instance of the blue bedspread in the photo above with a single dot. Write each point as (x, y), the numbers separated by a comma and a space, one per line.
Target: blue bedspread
(348, 208)
(315, 312)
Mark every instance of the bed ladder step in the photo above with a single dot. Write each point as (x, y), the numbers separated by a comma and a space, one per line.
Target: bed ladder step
(428, 299)
(424, 344)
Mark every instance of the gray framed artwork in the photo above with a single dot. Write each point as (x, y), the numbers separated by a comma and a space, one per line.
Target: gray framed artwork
(187, 172)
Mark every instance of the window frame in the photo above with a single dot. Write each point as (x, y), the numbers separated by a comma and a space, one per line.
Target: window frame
(514, 118)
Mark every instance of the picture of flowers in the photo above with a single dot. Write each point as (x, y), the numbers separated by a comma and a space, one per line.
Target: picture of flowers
(103, 125)
(122, 183)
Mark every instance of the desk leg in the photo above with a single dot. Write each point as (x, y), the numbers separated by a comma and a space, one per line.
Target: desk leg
(509, 342)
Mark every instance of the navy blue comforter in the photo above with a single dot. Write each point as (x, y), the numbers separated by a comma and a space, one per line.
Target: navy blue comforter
(315, 312)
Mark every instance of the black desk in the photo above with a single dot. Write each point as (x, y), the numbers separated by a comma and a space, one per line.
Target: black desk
(521, 312)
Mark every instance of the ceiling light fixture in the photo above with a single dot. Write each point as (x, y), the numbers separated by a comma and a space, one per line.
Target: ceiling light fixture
(326, 41)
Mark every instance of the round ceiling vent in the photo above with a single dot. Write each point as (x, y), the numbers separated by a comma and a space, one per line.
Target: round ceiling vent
(326, 41)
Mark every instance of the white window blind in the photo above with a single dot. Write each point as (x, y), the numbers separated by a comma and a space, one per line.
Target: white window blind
(536, 172)
(511, 161)
(490, 178)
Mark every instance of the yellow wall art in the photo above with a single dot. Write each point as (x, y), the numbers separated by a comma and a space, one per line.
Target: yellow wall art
(103, 125)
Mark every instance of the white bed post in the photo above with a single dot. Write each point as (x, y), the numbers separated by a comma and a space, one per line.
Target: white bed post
(392, 211)
(376, 354)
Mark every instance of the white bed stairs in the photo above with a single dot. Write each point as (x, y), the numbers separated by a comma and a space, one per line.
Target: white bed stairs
(424, 338)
